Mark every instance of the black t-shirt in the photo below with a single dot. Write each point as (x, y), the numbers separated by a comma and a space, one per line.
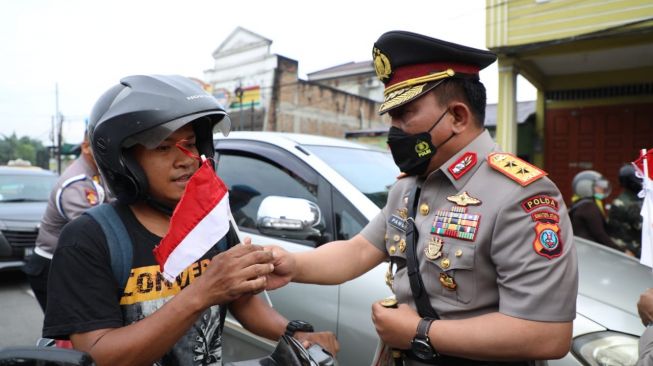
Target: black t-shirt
(84, 294)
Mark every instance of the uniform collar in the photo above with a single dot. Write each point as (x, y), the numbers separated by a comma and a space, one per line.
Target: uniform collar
(477, 151)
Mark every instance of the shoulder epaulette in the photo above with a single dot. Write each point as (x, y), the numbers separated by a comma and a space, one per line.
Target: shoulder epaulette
(515, 168)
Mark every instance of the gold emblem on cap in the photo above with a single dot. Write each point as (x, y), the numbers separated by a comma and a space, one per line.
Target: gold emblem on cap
(445, 263)
(464, 199)
(424, 209)
(447, 281)
(389, 302)
(433, 248)
(381, 65)
(402, 245)
(459, 252)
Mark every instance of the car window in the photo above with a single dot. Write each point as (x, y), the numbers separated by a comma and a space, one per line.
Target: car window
(371, 171)
(251, 179)
(21, 187)
(348, 221)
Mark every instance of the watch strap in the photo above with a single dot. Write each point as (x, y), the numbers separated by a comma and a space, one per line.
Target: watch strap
(423, 328)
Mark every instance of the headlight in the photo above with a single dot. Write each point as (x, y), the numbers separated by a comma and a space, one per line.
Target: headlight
(606, 349)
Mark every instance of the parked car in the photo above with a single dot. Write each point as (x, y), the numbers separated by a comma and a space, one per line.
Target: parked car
(280, 182)
(24, 193)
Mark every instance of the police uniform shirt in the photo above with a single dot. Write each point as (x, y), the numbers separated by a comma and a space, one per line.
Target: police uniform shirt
(495, 244)
(77, 190)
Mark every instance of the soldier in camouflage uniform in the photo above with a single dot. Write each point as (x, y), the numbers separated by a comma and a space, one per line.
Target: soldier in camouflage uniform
(624, 220)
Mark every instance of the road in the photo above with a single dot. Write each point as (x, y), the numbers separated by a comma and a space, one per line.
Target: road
(21, 317)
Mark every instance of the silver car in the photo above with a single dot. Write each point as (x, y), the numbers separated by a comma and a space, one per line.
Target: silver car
(300, 191)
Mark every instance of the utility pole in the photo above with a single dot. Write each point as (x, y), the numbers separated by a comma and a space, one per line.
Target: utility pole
(58, 118)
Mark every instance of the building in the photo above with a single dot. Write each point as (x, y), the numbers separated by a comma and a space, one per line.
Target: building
(592, 64)
(262, 91)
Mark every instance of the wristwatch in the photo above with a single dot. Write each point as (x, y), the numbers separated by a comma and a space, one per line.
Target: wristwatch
(297, 326)
(421, 344)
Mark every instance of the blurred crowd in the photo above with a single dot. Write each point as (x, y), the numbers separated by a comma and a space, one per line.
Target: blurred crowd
(616, 224)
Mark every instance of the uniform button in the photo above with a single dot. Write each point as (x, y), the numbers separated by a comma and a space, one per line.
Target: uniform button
(424, 209)
(396, 237)
(459, 252)
(445, 263)
(393, 249)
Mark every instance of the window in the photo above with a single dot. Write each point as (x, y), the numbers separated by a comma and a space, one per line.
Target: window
(251, 179)
(348, 220)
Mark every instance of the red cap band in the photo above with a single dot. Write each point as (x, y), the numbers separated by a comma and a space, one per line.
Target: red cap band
(417, 70)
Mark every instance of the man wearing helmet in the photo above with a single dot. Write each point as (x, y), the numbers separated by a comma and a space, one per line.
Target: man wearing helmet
(587, 212)
(624, 218)
(136, 128)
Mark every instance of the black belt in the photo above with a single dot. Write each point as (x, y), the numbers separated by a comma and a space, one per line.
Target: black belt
(444, 360)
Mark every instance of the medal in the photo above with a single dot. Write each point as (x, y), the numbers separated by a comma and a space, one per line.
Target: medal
(434, 248)
(447, 281)
(389, 302)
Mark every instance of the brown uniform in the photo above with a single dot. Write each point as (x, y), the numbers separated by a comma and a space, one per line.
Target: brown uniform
(506, 246)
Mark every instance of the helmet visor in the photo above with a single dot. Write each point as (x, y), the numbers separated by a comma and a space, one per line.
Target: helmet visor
(153, 137)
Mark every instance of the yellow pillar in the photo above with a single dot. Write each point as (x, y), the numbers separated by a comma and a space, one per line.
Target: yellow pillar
(540, 110)
(506, 135)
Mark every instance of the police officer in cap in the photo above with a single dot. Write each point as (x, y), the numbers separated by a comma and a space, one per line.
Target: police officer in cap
(479, 242)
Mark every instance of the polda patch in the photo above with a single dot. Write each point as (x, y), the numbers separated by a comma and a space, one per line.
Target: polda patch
(545, 216)
(538, 201)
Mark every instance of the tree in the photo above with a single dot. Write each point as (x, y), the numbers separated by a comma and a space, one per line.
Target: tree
(26, 148)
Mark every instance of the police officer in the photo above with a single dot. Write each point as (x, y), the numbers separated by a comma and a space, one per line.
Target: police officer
(78, 189)
(624, 218)
(479, 243)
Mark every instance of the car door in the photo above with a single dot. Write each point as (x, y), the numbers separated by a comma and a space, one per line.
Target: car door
(255, 170)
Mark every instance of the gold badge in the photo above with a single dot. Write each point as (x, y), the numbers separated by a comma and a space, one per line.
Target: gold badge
(402, 245)
(447, 281)
(381, 65)
(389, 302)
(515, 168)
(393, 249)
(464, 199)
(424, 209)
(433, 249)
(445, 263)
(403, 213)
(91, 197)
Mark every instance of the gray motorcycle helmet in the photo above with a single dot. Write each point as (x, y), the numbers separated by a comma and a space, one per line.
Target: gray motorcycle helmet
(584, 182)
(145, 109)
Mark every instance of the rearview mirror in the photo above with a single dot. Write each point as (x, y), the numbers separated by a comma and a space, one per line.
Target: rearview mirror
(287, 217)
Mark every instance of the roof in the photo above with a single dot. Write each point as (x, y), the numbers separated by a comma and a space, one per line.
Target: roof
(524, 109)
(346, 69)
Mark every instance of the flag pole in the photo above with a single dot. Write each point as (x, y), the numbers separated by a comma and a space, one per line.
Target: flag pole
(240, 239)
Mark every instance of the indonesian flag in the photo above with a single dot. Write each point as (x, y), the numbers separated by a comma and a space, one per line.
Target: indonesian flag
(199, 221)
(645, 165)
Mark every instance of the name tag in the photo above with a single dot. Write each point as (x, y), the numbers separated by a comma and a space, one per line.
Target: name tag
(398, 223)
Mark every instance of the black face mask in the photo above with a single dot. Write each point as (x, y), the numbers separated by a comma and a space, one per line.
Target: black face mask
(412, 153)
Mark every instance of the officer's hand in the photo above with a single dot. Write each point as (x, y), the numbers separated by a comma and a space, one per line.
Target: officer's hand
(327, 340)
(284, 267)
(238, 271)
(645, 307)
(395, 326)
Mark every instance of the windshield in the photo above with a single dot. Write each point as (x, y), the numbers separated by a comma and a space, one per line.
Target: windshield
(372, 171)
(23, 188)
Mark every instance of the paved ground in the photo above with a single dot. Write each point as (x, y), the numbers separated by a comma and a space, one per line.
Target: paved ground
(21, 317)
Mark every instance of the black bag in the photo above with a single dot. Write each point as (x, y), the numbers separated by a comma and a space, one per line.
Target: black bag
(290, 352)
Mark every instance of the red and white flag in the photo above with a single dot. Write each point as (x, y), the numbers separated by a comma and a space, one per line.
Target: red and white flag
(199, 221)
(645, 166)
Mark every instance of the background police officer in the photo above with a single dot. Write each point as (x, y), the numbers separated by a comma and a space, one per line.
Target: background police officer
(492, 237)
(624, 218)
(78, 189)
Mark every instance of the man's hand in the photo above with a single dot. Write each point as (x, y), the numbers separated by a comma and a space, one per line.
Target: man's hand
(395, 326)
(284, 267)
(327, 340)
(645, 307)
(238, 271)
